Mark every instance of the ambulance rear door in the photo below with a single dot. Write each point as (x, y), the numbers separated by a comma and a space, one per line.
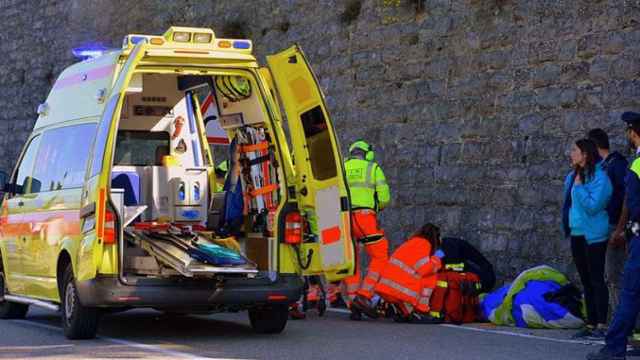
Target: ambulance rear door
(98, 252)
(320, 181)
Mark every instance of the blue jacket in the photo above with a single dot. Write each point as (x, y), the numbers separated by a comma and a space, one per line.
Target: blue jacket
(587, 215)
(616, 167)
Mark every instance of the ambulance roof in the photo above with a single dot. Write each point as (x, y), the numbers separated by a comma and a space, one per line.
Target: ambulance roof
(82, 89)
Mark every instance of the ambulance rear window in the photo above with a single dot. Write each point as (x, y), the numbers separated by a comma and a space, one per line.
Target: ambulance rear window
(321, 153)
(141, 148)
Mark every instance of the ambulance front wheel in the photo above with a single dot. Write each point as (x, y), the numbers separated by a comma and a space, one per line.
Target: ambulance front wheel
(78, 322)
(269, 319)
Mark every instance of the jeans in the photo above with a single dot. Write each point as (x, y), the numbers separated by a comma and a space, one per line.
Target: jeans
(590, 262)
(626, 313)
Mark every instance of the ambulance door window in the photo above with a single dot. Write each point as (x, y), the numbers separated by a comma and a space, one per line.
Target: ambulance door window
(25, 169)
(321, 154)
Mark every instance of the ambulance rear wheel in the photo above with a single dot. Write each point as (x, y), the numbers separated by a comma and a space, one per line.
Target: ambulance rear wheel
(269, 319)
(78, 322)
(10, 310)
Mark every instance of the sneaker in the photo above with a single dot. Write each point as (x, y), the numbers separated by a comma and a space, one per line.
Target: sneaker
(597, 334)
(364, 306)
(605, 354)
(582, 334)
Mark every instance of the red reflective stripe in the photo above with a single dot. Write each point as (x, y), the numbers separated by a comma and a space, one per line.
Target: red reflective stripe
(331, 235)
(91, 75)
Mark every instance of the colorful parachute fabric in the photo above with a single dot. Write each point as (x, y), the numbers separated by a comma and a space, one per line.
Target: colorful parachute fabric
(522, 302)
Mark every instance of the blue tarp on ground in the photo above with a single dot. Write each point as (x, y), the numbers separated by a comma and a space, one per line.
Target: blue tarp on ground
(522, 302)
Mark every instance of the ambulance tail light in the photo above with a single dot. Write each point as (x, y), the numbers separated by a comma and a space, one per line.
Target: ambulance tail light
(109, 236)
(293, 228)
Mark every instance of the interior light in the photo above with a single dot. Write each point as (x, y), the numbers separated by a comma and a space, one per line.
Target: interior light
(202, 38)
(181, 36)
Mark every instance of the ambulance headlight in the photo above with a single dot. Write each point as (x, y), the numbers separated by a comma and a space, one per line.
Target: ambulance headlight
(202, 38)
(181, 36)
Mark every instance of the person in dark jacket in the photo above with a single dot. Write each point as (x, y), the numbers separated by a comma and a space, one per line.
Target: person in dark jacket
(462, 256)
(615, 165)
(590, 191)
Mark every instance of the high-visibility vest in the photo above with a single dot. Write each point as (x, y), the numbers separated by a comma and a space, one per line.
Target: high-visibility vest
(402, 276)
(367, 185)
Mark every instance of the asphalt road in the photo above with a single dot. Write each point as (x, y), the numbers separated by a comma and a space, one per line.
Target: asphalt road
(146, 334)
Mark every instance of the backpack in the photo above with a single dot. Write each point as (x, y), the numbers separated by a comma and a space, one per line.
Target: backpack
(455, 298)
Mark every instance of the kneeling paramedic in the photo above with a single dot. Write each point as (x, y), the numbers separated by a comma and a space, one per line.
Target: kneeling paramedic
(409, 277)
(369, 194)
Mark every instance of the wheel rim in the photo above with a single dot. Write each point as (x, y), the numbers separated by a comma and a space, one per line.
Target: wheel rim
(69, 300)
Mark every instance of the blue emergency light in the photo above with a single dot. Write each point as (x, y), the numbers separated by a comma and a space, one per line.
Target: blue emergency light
(89, 51)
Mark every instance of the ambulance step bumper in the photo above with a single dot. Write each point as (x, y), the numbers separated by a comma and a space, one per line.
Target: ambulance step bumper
(111, 292)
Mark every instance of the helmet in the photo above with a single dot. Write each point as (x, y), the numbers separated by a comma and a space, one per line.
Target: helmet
(369, 154)
(223, 166)
(234, 88)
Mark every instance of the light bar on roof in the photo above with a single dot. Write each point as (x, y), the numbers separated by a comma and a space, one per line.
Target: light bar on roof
(181, 36)
(202, 38)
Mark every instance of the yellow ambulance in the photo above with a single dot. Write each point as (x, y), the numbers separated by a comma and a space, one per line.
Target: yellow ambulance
(111, 205)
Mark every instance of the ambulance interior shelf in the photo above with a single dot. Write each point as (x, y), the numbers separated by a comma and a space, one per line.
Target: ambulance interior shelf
(160, 175)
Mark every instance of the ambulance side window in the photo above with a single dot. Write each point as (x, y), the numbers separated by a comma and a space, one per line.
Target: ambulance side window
(26, 165)
(62, 158)
(321, 156)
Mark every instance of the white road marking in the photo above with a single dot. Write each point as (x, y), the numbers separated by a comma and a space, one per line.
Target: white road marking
(153, 348)
(500, 332)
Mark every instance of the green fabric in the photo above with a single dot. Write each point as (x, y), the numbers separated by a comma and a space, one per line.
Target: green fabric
(367, 184)
(503, 313)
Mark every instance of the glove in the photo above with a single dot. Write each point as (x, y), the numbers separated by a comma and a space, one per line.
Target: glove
(439, 253)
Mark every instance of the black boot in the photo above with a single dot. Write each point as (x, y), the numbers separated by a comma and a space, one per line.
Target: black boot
(364, 305)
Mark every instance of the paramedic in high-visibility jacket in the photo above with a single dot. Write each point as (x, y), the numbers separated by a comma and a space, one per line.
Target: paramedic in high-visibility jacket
(624, 320)
(369, 193)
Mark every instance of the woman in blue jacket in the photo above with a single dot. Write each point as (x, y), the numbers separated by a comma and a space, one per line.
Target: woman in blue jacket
(587, 193)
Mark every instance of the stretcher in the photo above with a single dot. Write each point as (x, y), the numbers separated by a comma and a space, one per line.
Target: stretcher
(177, 252)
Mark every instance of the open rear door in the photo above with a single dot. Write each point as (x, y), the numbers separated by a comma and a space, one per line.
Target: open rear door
(320, 180)
(96, 253)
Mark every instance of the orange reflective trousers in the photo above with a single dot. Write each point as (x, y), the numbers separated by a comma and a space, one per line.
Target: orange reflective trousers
(364, 227)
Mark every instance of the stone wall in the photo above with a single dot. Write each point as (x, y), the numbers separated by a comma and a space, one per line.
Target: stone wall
(471, 104)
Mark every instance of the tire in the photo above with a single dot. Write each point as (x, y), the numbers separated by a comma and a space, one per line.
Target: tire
(269, 319)
(10, 310)
(78, 322)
